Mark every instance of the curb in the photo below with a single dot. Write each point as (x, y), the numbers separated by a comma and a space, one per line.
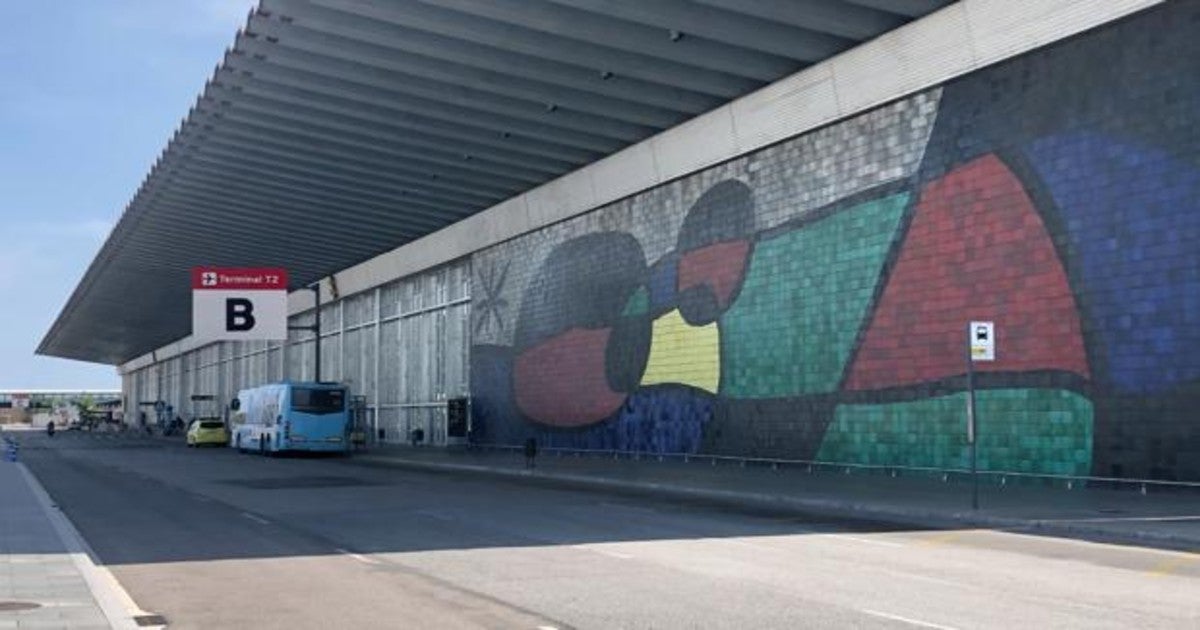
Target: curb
(116, 604)
(778, 503)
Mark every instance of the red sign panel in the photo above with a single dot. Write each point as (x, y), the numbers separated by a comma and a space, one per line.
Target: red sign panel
(240, 278)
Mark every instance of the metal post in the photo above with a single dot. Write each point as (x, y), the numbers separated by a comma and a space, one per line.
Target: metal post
(315, 328)
(972, 438)
(316, 289)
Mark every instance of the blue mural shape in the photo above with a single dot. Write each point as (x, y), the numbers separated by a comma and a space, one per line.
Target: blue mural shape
(1136, 246)
(666, 419)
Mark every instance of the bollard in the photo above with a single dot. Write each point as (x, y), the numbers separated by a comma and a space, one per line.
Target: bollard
(1070, 484)
(1143, 489)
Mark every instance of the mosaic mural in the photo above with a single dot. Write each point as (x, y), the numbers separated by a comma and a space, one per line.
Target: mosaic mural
(809, 301)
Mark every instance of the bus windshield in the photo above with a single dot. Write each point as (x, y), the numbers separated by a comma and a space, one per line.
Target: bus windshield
(318, 401)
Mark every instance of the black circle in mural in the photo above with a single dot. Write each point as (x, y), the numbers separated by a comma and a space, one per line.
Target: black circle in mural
(698, 305)
(584, 283)
(627, 352)
(724, 212)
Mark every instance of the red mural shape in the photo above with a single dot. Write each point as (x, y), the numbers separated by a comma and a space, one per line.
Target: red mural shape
(561, 381)
(720, 266)
(976, 250)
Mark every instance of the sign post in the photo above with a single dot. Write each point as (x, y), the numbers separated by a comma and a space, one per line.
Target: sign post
(981, 346)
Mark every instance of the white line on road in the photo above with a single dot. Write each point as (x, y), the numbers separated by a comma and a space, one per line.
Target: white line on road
(358, 556)
(257, 519)
(915, 622)
(869, 541)
(546, 628)
(112, 598)
(604, 552)
(925, 578)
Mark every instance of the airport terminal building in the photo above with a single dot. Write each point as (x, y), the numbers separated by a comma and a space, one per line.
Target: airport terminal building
(725, 227)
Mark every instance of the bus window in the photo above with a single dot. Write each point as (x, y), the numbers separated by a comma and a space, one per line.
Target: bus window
(318, 401)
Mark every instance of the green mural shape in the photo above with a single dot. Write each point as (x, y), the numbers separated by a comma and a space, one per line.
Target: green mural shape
(792, 327)
(638, 304)
(1047, 431)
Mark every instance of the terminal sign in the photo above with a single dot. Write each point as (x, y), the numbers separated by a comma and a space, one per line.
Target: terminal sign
(239, 303)
(982, 340)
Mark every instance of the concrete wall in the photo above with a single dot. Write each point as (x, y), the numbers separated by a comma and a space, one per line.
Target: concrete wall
(809, 300)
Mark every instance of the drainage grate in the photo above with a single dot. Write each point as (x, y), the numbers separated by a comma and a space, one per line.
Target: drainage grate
(150, 620)
(15, 606)
(285, 483)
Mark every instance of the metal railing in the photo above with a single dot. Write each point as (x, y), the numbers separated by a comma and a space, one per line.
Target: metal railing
(997, 477)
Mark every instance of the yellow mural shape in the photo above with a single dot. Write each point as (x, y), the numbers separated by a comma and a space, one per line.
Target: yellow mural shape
(684, 354)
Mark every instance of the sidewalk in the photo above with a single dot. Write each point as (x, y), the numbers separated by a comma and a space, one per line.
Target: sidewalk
(46, 578)
(1160, 518)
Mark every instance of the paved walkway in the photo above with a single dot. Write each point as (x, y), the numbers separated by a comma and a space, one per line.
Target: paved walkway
(1161, 518)
(41, 584)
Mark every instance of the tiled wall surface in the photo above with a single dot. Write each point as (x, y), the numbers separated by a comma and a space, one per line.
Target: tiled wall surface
(810, 300)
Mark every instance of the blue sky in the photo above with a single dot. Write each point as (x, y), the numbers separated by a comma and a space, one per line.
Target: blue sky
(91, 91)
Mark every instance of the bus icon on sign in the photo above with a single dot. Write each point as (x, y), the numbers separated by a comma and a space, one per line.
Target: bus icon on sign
(208, 279)
(981, 336)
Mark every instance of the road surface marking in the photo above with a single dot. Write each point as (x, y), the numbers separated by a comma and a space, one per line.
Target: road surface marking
(926, 578)
(914, 622)
(869, 541)
(256, 519)
(546, 628)
(1167, 566)
(358, 556)
(604, 552)
(943, 538)
(744, 543)
(113, 600)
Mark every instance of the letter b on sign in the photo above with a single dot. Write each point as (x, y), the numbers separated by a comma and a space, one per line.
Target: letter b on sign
(239, 315)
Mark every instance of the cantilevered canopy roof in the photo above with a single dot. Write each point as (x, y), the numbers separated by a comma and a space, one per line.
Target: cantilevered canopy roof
(335, 130)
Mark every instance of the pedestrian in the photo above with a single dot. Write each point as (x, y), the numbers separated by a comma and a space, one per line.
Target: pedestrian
(50, 428)
(531, 451)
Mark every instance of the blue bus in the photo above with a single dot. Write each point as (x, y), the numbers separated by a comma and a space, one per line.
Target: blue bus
(303, 416)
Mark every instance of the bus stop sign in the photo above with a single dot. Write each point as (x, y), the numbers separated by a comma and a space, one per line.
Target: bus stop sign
(239, 303)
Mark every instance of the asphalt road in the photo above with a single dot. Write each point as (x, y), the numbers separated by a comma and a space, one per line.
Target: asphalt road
(213, 539)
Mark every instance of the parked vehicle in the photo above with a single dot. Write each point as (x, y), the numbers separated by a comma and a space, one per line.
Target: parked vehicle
(211, 432)
(301, 416)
